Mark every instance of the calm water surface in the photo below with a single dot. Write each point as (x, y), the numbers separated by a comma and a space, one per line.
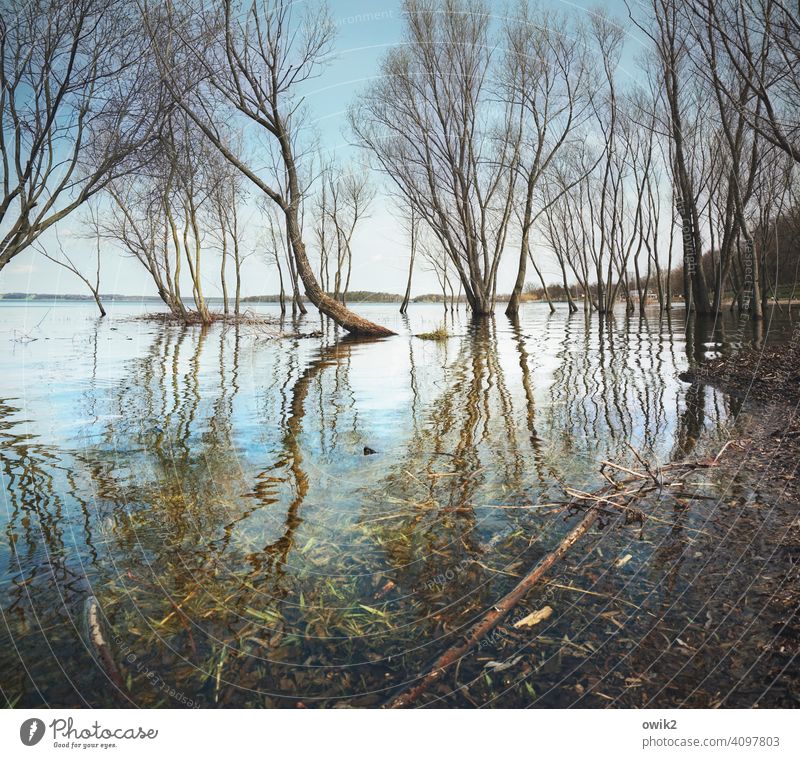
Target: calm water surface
(210, 489)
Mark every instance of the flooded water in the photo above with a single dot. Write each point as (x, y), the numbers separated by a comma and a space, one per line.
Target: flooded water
(211, 490)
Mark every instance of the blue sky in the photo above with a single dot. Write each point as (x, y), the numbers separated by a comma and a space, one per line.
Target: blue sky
(365, 31)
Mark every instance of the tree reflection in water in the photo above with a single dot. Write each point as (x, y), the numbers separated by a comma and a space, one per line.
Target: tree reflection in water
(246, 551)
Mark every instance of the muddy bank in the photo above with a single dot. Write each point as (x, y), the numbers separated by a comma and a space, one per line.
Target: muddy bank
(768, 380)
(770, 374)
(698, 606)
(769, 449)
(747, 619)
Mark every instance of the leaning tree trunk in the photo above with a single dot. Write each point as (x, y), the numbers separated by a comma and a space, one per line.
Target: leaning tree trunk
(407, 296)
(324, 303)
(297, 300)
(570, 303)
(544, 286)
(99, 303)
(340, 313)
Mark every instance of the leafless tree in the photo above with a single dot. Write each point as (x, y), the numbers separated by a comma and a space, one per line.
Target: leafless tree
(433, 127)
(605, 248)
(227, 195)
(253, 58)
(413, 231)
(64, 260)
(760, 39)
(323, 233)
(187, 156)
(163, 213)
(546, 82)
(563, 224)
(349, 196)
(668, 30)
(277, 248)
(78, 109)
(138, 223)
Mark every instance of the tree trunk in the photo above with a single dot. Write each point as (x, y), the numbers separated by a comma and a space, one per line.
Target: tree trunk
(99, 303)
(544, 287)
(512, 309)
(407, 296)
(297, 301)
(570, 303)
(342, 315)
(347, 280)
(224, 284)
(283, 291)
(238, 301)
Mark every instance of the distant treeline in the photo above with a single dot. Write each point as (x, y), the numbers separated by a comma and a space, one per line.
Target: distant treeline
(358, 296)
(353, 296)
(77, 298)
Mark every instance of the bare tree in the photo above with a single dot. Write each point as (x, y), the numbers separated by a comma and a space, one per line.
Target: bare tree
(432, 125)
(77, 107)
(667, 29)
(138, 222)
(413, 230)
(349, 197)
(255, 57)
(277, 247)
(187, 156)
(323, 232)
(227, 195)
(64, 260)
(547, 85)
(761, 40)
(438, 262)
(163, 213)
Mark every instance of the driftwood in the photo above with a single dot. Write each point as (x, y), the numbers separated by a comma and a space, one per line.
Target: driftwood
(617, 496)
(98, 644)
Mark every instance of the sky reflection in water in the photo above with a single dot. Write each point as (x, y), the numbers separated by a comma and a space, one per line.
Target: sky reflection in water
(210, 489)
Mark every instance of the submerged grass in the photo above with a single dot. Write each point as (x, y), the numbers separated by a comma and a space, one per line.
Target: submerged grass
(193, 318)
(233, 583)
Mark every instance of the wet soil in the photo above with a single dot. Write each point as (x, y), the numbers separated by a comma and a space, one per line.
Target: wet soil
(733, 638)
(770, 380)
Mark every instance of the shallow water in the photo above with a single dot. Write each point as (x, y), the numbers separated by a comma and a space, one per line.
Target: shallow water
(210, 490)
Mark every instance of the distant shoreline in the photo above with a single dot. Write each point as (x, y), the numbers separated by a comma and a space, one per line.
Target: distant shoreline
(378, 297)
(353, 298)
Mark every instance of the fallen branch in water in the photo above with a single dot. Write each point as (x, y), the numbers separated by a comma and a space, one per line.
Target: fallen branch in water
(618, 496)
(495, 614)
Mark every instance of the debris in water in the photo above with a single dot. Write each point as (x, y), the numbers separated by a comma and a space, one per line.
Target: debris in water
(532, 619)
(97, 641)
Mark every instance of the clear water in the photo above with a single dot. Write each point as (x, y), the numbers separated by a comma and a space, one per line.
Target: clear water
(211, 490)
